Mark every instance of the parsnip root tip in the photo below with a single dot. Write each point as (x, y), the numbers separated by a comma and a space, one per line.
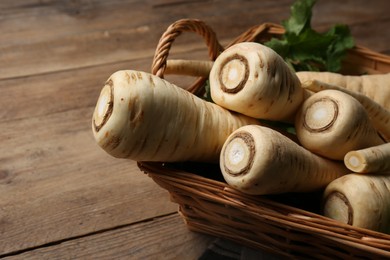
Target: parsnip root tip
(340, 210)
(313, 85)
(354, 162)
(234, 73)
(360, 200)
(321, 115)
(374, 103)
(104, 107)
(239, 153)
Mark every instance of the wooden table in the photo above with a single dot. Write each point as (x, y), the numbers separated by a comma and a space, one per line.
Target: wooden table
(61, 196)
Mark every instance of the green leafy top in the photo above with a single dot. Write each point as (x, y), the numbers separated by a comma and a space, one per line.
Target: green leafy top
(306, 49)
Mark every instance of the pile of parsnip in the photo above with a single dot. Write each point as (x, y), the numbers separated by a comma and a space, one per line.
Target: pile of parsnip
(342, 123)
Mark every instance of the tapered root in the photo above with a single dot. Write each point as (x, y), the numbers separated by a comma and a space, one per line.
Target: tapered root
(374, 86)
(378, 114)
(145, 118)
(253, 80)
(189, 67)
(258, 160)
(331, 123)
(374, 159)
(359, 200)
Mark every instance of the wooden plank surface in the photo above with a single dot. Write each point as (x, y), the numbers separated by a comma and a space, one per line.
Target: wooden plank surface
(151, 239)
(86, 33)
(61, 195)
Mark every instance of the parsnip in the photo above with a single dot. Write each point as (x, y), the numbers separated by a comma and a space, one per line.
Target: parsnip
(145, 118)
(331, 123)
(189, 67)
(360, 200)
(369, 160)
(376, 87)
(379, 116)
(254, 80)
(258, 160)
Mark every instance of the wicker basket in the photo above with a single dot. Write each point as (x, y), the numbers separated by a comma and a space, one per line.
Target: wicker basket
(278, 224)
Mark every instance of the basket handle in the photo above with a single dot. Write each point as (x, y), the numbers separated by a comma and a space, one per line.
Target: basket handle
(259, 33)
(159, 63)
(176, 29)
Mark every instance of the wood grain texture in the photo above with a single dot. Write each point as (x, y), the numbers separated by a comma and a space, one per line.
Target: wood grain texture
(87, 33)
(51, 171)
(57, 184)
(72, 34)
(151, 239)
(60, 194)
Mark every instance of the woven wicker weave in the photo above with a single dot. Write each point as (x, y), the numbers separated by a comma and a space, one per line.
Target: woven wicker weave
(210, 206)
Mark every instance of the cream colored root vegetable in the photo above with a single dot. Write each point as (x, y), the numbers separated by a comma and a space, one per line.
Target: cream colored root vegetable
(369, 160)
(331, 123)
(254, 80)
(258, 160)
(376, 87)
(189, 67)
(380, 116)
(145, 118)
(360, 200)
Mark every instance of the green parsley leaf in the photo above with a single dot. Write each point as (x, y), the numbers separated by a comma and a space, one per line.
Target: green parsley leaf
(300, 17)
(306, 49)
(336, 50)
